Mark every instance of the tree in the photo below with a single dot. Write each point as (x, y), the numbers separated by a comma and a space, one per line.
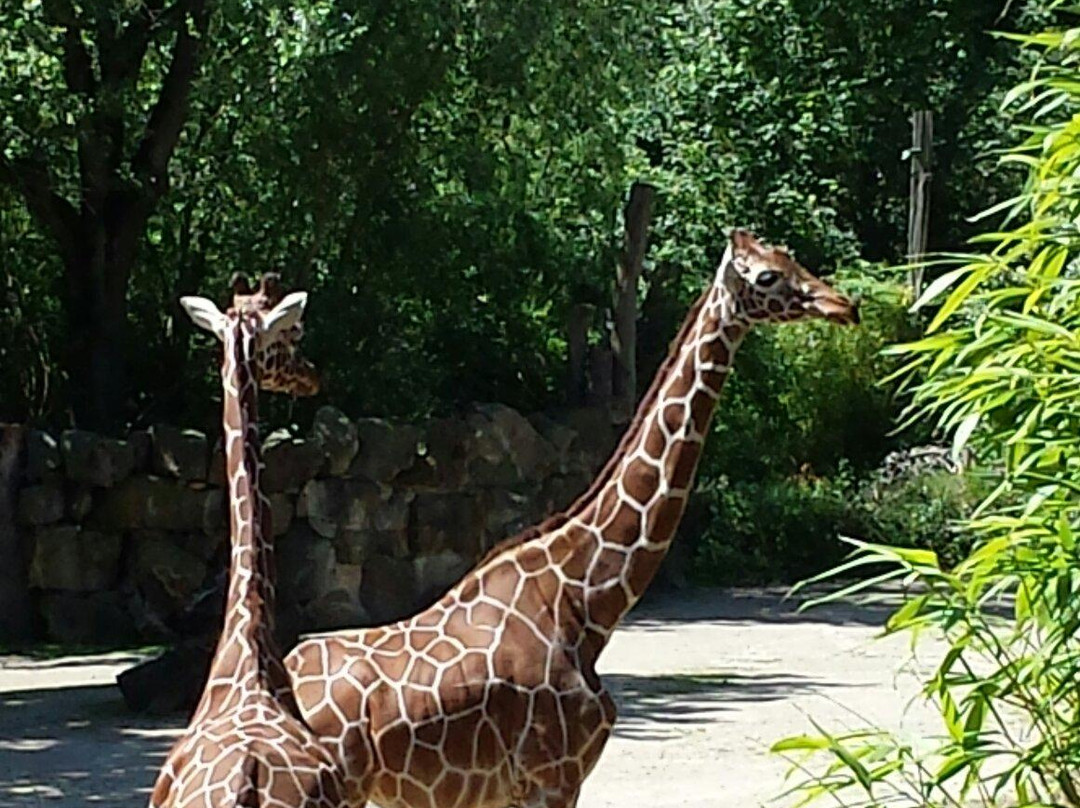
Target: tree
(93, 119)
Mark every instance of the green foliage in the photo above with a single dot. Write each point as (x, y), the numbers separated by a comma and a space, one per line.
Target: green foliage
(442, 174)
(802, 421)
(1000, 369)
(922, 510)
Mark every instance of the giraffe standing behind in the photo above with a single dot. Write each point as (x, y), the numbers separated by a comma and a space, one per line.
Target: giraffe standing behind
(246, 744)
(490, 697)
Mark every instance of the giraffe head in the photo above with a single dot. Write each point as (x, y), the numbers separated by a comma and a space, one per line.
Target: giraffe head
(769, 285)
(274, 319)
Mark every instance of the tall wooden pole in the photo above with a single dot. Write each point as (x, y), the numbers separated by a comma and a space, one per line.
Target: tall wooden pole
(922, 157)
(624, 334)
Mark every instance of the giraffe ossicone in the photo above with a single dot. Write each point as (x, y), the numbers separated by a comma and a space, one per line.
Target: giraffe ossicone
(246, 743)
(490, 697)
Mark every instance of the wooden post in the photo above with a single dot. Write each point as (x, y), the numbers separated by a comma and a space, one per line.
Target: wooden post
(600, 367)
(577, 337)
(624, 334)
(922, 157)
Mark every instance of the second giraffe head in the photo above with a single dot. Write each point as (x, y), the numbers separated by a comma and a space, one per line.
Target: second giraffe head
(273, 320)
(768, 285)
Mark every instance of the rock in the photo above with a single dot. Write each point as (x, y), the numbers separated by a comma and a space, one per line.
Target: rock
(215, 473)
(290, 462)
(560, 490)
(338, 438)
(151, 502)
(142, 446)
(79, 502)
(305, 563)
(43, 456)
(94, 460)
(70, 558)
(215, 517)
(387, 590)
(179, 453)
(596, 439)
(561, 437)
(41, 504)
(281, 513)
(444, 453)
(159, 566)
(384, 530)
(340, 607)
(386, 450)
(434, 574)
(333, 504)
(531, 456)
(171, 683)
(356, 546)
(335, 610)
(202, 546)
(489, 462)
(98, 618)
(506, 513)
(446, 522)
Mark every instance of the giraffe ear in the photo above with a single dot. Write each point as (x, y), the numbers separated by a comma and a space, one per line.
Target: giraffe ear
(205, 314)
(727, 275)
(287, 313)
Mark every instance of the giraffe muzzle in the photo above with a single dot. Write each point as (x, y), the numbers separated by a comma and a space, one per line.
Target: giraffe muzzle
(836, 308)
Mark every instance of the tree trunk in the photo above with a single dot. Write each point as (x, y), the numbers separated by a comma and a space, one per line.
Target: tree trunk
(624, 335)
(96, 275)
(16, 623)
(578, 348)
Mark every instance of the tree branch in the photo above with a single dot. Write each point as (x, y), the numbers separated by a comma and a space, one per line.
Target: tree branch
(166, 121)
(78, 69)
(52, 212)
(122, 55)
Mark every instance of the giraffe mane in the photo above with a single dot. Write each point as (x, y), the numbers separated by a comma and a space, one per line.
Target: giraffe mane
(557, 520)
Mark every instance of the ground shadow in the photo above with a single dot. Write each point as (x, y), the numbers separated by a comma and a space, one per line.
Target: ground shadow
(82, 746)
(667, 608)
(665, 706)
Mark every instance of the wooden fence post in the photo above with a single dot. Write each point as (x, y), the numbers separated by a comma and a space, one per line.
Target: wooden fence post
(577, 337)
(624, 334)
(922, 156)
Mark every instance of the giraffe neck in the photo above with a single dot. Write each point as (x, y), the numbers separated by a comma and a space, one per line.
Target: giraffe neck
(622, 532)
(246, 660)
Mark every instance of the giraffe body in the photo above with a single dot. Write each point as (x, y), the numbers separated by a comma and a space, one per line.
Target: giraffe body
(246, 744)
(490, 697)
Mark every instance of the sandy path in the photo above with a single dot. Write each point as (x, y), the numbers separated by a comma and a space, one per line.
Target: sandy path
(705, 681)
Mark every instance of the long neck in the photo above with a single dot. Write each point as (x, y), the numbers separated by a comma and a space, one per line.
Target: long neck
(247, 659)
(623, 531)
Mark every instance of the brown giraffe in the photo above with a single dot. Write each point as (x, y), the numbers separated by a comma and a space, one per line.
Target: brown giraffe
(246, 744)
(490, 697)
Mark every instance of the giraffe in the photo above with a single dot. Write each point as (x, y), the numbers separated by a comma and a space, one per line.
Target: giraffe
(490, 697)
(246, 744)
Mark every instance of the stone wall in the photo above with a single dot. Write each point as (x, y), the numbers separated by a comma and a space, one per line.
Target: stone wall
(125, 540)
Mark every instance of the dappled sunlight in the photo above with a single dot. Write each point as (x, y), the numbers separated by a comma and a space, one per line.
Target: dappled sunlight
(76, 745)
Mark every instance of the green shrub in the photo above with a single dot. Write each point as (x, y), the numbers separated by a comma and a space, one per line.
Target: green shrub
(922, 510)
(802, 421)
(776, 530)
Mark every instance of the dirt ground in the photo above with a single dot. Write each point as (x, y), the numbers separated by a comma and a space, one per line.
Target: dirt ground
(705, 681)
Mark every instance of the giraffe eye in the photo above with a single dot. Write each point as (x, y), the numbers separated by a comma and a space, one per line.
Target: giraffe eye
(767, 278)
